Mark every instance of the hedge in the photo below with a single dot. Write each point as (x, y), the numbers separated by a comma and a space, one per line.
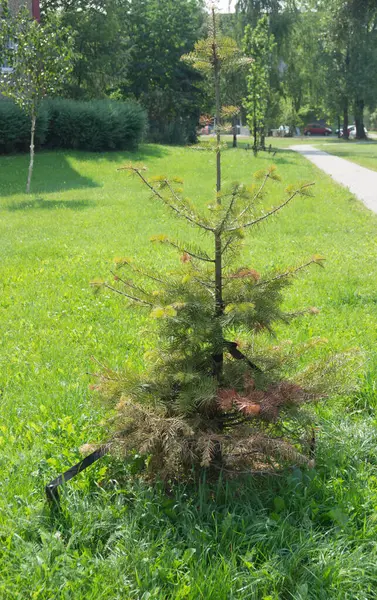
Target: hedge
(15, 128)
(95, 126)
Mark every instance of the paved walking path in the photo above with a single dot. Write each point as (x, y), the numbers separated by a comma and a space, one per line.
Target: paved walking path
(361, 181)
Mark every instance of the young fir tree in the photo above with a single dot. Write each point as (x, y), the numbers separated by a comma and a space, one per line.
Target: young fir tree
(39, 59)
(201, 401)
(258, 43)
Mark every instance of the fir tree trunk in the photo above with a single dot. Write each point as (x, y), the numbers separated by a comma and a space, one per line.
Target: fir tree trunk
(218, 134)
(32, 148)
(359, 119)
(219, 309)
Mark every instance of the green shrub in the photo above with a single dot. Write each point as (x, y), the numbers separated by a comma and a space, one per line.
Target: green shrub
(96, 125)
(15, 128)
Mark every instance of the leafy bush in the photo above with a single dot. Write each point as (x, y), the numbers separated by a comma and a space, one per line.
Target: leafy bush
(15, 128)
(96, 125)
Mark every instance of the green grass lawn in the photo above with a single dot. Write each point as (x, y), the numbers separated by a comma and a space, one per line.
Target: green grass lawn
(362, 153)
(305, 535)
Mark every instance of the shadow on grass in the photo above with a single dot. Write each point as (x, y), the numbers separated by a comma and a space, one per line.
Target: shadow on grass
(54, 172)
(259, 526)
(40, 203)
(143, 152)
(295, 493)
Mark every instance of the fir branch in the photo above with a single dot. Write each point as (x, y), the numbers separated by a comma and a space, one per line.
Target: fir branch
(130, 284)
(289, 273)
(274, 210)
(134, 298)
(226, 245)
(255, 197)
(156, 193)
(206, 285)
(182, 214)
(142, 272)
(234, 196)
(189, 252)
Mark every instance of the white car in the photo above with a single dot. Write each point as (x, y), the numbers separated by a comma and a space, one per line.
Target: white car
(284, 131)
(352, 132)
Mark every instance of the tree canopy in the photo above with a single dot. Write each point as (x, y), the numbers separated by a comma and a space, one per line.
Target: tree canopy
(322, 66)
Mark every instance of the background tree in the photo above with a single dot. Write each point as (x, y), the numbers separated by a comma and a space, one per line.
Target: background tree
(336, 37)
(302, 69)
(40, 60)
(260, 45)
(253, 10)
(102, 42)
(52, 6)
(160, 33)
(131, 49)
(324, 55)
(350, 54)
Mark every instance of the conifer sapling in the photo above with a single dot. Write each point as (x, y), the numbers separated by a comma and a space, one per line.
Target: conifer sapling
(204, 399)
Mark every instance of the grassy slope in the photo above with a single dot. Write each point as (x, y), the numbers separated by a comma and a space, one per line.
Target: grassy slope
(304, 536)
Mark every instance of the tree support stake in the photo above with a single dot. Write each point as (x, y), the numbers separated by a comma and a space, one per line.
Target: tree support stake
(51, 489)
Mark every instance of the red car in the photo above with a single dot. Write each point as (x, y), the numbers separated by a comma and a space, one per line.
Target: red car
(316, 129)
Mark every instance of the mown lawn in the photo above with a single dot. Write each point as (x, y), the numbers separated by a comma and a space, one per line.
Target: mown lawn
(362, 153)
(306, 535)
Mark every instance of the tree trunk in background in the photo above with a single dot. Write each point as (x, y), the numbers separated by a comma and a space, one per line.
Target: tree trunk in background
(255, 130)
(346, 103)
(234, 127)
(263, 137)
(32, 148)
(339, 132)
(345, 119)
(36, 11)
(359, 119)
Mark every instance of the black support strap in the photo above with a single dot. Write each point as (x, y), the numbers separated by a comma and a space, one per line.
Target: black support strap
(233, 350)
(51, 489)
